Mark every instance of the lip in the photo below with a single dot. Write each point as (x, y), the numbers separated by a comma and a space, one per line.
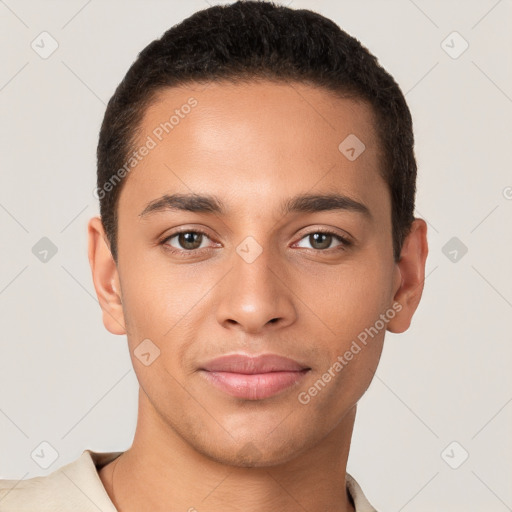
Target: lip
(253, 377)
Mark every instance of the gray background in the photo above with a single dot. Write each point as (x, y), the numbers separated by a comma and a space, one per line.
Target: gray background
(66, 381)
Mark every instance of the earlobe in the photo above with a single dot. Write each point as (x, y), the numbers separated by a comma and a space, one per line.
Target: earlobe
(105, 277)
(410, 270)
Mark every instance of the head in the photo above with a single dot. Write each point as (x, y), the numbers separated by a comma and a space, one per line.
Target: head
(263, 127)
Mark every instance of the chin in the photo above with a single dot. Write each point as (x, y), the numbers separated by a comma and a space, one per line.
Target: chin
(256, 454)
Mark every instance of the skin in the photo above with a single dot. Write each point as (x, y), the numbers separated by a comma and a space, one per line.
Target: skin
(253, 146)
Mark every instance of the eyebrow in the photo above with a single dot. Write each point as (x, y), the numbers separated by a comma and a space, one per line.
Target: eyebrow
(305, 203)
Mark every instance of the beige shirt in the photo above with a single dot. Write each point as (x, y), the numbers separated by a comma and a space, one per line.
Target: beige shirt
(76, 487)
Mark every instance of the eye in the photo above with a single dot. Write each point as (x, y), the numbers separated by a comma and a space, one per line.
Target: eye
(186, 240)
(321, 240)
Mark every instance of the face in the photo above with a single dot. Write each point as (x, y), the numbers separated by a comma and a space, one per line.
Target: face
(238, 272)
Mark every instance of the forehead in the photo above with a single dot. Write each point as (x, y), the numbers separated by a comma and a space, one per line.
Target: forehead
(254, 140)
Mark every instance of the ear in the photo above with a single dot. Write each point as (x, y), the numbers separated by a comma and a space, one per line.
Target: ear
(105, 277)
(410, 272)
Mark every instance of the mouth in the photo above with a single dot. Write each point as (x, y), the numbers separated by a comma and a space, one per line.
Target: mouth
(253, 377)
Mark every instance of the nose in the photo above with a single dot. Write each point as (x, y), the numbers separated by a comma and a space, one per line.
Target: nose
(256, 296)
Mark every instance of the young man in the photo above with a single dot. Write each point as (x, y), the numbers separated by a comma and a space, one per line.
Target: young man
(256, 178)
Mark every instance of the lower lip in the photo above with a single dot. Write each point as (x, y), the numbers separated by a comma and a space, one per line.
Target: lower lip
(253, 386)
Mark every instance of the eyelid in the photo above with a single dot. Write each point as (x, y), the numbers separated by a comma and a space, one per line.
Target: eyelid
(336, 232)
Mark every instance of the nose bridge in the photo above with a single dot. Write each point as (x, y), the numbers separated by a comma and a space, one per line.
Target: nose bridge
(254, 294)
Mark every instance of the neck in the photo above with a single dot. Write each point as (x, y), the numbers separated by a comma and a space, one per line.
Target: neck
(160, 471)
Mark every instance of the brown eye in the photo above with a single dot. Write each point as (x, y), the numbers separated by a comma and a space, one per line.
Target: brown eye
(186, 240)
(190, 240)
(323, 241)
(320, 240)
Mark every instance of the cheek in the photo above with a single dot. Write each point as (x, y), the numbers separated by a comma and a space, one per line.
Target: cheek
(157, 295)
(346, 299)
(350, 309)
(162, 303)
(364, 309)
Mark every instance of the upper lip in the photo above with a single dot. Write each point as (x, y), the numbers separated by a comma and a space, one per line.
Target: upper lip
(249, 364)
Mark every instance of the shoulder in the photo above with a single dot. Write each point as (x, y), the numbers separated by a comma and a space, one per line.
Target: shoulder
(75, 487)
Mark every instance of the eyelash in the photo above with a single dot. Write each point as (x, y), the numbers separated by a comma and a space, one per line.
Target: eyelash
(345, 242)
